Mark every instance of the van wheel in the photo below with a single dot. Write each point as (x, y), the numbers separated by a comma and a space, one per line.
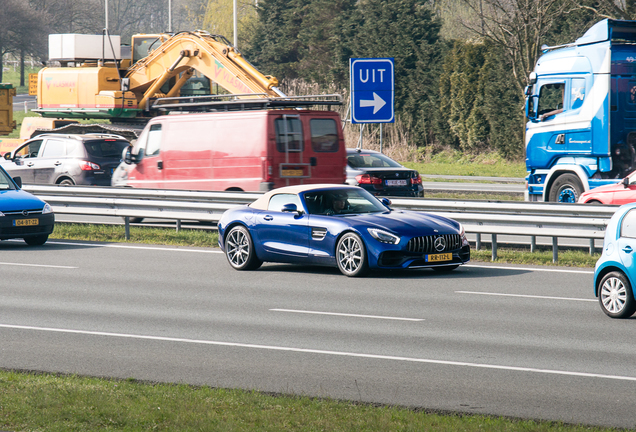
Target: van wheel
(567, 188)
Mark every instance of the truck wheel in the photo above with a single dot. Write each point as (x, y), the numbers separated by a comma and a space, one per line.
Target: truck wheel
(567, 188)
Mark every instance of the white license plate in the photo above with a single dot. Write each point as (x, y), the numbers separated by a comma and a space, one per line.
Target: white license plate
(396, 182)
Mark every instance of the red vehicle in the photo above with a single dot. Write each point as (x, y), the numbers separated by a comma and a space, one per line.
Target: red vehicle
(256, 150)
(618, 193)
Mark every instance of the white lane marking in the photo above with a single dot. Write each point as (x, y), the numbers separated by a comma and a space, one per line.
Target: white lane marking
(527, 296)
(556, 270)
(112, 245)
(37, 265)
(325, 352)
(346, 315)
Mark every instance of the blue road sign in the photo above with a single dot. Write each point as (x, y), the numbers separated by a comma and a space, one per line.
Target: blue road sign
(372, 90)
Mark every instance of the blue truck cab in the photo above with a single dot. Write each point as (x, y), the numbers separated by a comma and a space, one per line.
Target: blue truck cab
(581, 110)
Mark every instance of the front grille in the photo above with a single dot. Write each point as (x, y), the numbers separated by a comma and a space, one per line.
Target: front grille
(19, 212)
(426, 244)
(24, 230)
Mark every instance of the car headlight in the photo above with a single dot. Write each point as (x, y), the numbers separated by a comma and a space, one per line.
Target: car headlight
(383, 236)
(462, 232)
(47, 208)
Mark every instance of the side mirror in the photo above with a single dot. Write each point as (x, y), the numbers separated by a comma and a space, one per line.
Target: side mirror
(625, 182)
(385, 201)
(532, 78)
(127, 156)
(18, 181)
(290, 208)
(7, 156)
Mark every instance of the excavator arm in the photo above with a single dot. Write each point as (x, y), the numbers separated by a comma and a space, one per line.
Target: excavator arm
(211, 55)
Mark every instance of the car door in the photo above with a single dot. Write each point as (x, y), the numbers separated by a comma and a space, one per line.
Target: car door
(23, 162)
(284, 236)
(50, 161)
(627, 241)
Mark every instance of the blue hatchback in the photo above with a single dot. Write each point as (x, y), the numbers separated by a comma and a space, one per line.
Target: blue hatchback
(23, 215)
(616, 269)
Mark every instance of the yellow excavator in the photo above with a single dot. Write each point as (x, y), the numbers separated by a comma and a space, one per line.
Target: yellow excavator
(123, 86)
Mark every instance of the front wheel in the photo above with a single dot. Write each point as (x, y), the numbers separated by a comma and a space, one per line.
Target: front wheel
(615, 296)
(567, 188)
(37, 240)
(239, 249)
(351, 255)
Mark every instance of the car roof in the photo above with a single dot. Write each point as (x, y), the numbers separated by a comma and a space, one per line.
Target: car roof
(356, 150)
(262, 202)
(80, 137)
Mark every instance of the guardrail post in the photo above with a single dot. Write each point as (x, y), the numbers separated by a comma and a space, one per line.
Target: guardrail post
(533, 243)
(494, 247)
(478, 242)
(178, 225)
(592, 247)
(127, 227)
(555, 249)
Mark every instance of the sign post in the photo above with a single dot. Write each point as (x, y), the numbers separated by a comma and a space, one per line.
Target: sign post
(372, 90)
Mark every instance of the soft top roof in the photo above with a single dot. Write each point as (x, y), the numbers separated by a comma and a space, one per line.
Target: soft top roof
(262, 202)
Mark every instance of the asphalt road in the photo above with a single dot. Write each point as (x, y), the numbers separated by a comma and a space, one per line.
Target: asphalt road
(520, 342)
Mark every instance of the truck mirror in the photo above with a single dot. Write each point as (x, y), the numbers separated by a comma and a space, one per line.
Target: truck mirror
(528, 90)
(532, 79)
(127, 155)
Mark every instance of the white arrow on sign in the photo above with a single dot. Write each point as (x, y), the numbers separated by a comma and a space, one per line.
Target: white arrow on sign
(376, 103)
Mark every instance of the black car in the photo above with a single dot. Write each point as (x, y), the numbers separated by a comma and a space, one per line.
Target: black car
(67, 159)
(23, 215)
(381, 175)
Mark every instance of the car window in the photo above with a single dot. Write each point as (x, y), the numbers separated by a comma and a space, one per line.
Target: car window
(289, 135)
(108, 148)
(371, 160)
(31, 149)
(54, 148)
(153, 145)
(324, 135)
(276, 202)
(355, 201)
(5, 182)
(628, 225)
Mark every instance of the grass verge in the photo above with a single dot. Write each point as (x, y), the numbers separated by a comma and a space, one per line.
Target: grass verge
(37, 402)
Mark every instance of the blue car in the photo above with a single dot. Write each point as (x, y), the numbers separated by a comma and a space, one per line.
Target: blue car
(23, 215)
(616, 268)
(338, 225)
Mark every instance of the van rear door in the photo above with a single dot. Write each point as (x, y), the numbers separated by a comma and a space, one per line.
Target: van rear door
(308, 149)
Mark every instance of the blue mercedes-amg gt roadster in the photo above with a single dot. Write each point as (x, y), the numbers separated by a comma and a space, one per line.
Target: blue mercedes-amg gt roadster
(343, 226)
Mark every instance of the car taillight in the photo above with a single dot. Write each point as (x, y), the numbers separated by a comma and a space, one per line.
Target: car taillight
(417, 179)
(88, 166)
(368, 179)
(268, 171)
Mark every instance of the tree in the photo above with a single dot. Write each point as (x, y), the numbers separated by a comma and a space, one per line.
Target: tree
(219, 18)
(21, 29)
(518, 27)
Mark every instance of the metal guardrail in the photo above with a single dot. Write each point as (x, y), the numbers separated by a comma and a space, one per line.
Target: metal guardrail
(478, 217)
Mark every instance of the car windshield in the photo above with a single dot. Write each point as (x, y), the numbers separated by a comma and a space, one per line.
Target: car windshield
(5, 181)
(109, 148)
(342, 201)
(371, 160)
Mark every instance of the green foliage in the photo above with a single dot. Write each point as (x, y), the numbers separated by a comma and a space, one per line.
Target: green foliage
(480, 102)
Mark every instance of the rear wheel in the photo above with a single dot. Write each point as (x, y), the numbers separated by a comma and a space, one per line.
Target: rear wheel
(66, 182)
(615, 295)
(567, 188)
(239, 249)
(37, 240)
(351, 255)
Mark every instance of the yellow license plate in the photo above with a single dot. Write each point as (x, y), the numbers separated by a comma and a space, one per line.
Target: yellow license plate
(25, 222)
(290, 173)
(439, 257)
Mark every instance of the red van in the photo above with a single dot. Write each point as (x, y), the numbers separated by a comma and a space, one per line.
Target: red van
(255, 150)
